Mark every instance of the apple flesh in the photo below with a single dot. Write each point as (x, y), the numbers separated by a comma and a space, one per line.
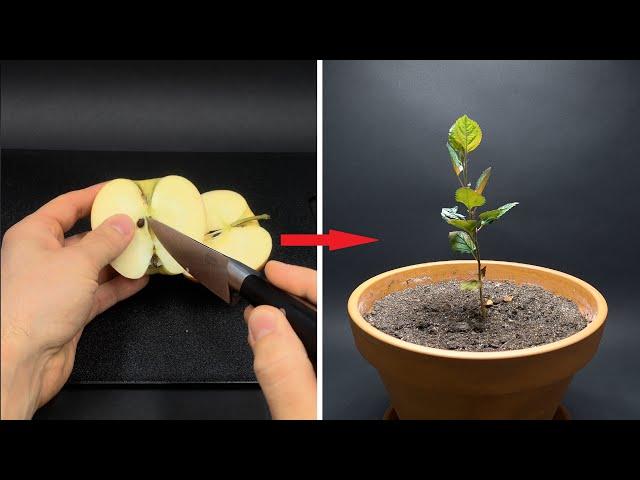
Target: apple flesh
(233, 229)
(172, 200)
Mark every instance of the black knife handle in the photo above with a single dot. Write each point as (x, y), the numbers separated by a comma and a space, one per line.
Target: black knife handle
(301, 317)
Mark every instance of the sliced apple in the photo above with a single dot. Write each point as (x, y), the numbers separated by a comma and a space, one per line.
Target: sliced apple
(234, 230)
(172, 200)
(220, 219)
(124, 196)
(176, 202)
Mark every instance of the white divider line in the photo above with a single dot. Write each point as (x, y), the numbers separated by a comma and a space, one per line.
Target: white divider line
(319, 230)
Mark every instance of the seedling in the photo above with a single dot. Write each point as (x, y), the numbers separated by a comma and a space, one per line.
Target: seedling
(464, 137)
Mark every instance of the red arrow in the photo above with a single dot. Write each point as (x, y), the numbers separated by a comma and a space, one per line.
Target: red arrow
(335, 240)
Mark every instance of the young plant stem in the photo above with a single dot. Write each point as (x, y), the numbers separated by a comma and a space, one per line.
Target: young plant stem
(483, 308)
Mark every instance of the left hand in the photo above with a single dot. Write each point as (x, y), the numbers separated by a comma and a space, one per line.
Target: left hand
(51, 288)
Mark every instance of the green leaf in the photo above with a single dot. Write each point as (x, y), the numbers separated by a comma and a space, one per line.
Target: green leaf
(452, 217)
(461, 242)
(483, 180)
(469, 197)
(455, 160)
(492, 215)
(465, 134)
(451, 214)
(468, 226)
(469, 285)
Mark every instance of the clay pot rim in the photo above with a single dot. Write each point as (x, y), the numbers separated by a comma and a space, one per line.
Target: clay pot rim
(596, 322)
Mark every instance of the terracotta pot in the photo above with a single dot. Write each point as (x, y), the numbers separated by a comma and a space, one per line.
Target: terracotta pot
(430, 383)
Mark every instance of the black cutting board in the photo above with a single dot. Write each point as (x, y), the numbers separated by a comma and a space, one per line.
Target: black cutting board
(174, 331)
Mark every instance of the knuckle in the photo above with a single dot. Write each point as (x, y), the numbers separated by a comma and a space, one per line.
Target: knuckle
(17, 233)
(79, 210)
(52, 225)
(275, 366)
(10, 234)
(40, 221)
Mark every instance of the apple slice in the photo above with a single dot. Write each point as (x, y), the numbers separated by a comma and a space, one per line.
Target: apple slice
(124, 196)
(176, 202)
(172, 200)
(234, 230)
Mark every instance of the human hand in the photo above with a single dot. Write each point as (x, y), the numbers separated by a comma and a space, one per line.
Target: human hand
(281, 364)
(51, 288)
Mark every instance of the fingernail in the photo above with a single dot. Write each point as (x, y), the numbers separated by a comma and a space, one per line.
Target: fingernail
(262, 322)
(122, 224)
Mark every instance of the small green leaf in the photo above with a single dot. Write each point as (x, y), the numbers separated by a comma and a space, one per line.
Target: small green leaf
(465, 134)
(483, 180)
(451, 214)
(469, 197)
(492, 215)
(455, 160)
(452, 217)
(469, 285)
(461, 242)
(468, 226)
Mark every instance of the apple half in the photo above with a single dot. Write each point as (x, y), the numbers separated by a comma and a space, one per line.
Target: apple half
(172, 200)
(233, 229)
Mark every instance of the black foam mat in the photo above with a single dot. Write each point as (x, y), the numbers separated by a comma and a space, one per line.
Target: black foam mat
(174, 331)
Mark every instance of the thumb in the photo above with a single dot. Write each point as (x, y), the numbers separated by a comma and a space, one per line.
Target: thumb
(105, 243)
(281, 365)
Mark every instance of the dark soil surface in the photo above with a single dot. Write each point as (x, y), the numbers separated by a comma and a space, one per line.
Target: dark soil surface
(440, 315)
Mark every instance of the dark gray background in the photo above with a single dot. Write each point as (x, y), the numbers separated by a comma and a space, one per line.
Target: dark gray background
(223, 106)
(66, 121)
(561, 137)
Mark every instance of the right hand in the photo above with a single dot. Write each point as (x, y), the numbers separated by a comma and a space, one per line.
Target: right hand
(281, 364)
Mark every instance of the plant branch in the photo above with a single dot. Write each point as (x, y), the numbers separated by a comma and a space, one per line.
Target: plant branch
(483, 308)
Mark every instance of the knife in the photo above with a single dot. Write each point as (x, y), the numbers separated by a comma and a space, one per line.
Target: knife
(227, 278)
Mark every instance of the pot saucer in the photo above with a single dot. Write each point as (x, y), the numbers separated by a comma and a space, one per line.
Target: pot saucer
(561, 414)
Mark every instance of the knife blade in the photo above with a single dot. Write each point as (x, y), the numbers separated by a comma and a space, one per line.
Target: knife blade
(225, 276)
